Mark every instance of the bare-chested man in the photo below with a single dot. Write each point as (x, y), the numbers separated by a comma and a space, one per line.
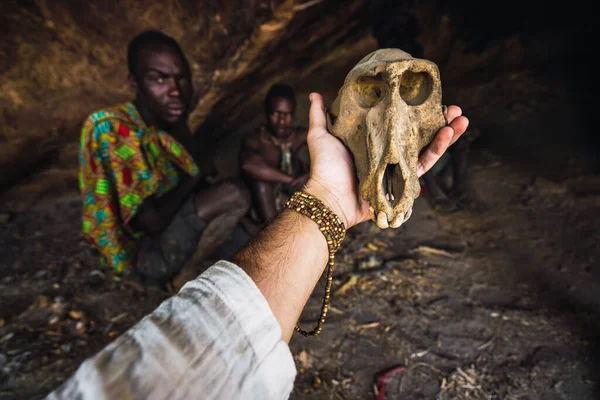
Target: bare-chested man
(274, 159)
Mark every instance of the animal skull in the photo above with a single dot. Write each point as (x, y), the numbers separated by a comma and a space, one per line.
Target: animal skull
(387, 111)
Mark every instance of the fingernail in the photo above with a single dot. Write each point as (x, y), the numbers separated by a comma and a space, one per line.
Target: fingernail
(310, 97)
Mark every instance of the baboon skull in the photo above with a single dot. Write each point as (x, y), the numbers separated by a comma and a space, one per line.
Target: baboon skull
(387, 111)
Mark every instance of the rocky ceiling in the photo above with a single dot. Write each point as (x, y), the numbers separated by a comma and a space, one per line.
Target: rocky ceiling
(59, 61)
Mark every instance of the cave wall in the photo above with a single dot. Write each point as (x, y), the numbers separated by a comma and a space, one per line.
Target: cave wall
(59, 61)
(62, 60)
(521, 72)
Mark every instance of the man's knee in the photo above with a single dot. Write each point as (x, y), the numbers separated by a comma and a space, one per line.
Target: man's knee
(236, 193)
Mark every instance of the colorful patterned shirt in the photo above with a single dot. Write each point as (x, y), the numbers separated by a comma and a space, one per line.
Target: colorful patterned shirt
(122, 162)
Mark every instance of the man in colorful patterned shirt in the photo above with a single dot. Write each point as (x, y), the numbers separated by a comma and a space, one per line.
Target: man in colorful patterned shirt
(147, 205)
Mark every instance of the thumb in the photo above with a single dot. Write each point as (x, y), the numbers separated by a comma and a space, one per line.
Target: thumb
(317, 121)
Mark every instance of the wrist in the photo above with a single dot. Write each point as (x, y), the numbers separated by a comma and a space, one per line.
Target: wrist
(319, 191)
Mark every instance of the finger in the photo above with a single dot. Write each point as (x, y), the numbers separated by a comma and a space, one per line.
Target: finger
(316, 115)
(435, 150)
(459, 125)
(453, 112)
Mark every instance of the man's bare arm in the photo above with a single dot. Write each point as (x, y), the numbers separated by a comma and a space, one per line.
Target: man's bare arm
(285, 261)
(253, 164)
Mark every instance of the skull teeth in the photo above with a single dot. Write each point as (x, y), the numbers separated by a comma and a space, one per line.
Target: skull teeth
(397, 221)
(382, 220)
(408, 214)
(391, 176)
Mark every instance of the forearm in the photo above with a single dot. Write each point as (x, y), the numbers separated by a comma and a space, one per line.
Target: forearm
(286, 261)
(260, 170)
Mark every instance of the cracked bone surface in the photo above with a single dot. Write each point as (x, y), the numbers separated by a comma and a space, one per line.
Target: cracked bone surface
(387, 111)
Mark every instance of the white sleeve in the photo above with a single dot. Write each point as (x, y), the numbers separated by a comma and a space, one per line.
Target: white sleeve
(216, 339)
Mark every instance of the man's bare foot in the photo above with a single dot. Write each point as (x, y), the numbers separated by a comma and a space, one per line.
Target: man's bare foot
(140, 285)
(192, 270)
(134, 284)
(183, 277)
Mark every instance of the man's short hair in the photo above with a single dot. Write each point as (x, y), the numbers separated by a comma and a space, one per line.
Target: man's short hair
(148, 39)
(280, 90)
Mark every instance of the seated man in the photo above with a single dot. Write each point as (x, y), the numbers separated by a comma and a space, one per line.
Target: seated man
(148, 206)
(446, 183)
(274, 159)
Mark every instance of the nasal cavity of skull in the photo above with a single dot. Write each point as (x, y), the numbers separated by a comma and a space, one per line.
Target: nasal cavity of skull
(392, 183)
(369, 90)
(415, 87)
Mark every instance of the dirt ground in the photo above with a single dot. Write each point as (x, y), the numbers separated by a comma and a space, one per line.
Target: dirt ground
(496, 301)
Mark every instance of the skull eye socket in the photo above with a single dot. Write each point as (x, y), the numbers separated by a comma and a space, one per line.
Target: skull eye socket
(415, 87)
(369, 89)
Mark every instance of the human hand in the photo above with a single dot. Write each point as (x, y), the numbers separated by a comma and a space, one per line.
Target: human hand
(443, 139)
(207, 167)
(333, 176)
(332, 173)
(212, 179)
(189, 181)
(297, 183)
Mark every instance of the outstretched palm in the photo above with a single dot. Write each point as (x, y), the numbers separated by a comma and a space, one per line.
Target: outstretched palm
(333, 176)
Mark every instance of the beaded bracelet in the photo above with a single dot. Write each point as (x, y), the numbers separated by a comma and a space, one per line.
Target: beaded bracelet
(334, 231)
